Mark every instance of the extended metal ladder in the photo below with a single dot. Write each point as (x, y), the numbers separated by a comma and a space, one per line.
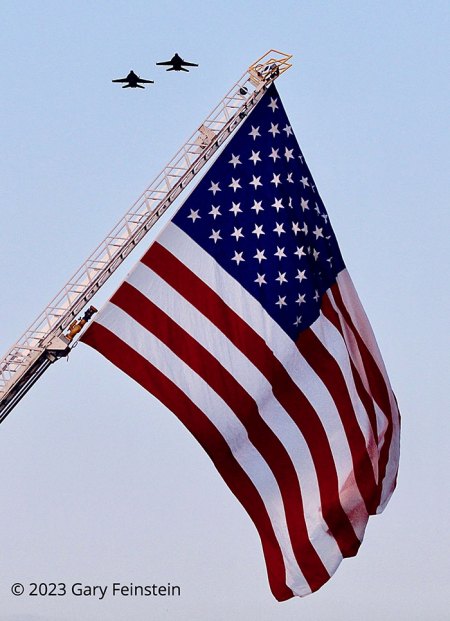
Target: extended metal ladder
(53, 334)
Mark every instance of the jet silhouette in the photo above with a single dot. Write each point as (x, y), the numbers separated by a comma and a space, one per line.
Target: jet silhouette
(176, 63)
(133, 81)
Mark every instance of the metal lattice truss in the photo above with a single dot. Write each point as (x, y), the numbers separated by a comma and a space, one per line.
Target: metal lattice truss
(45, 341)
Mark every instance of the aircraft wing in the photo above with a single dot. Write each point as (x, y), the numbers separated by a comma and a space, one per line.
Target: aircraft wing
(120, 80)
(141, 80)
(166, 62)
(186, 64)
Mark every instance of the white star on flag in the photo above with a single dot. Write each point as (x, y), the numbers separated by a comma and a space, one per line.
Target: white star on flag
(234, 184)
(235, 160)
(237, 233)
(255, 157)
(288, 154)
(279, 229)
(255, 182)
(258, 230)
(260, 279)
(274, 155)
(236, 208)
(301, 275)
(254, 133)
(300, 252)
(305, 182)
(274, 129)
(215, 235)
(214, 188)
(273, 104)
(194, 215)
(260, 256)
(280, 253)
(318, 232)
(281, 301)
(278, 204)
(281, 277)
(257, 206)
(238, 257)
(214, 211)
(276, 180)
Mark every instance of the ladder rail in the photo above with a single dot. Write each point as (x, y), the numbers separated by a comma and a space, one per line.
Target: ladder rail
(46, 333)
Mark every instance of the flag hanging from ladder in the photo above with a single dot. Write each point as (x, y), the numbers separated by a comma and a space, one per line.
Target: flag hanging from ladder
(242, 319)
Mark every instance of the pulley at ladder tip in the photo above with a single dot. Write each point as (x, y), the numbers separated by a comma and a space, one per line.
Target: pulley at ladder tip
(77, 325)
(268, 71)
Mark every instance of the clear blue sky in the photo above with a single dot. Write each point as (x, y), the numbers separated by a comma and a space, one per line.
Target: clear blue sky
(98, 482)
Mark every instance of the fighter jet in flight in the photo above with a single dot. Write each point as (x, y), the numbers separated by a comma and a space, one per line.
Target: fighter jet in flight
(176, 63)
(133, 81)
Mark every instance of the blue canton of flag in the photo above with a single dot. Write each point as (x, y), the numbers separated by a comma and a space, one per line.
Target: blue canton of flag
(258, 213)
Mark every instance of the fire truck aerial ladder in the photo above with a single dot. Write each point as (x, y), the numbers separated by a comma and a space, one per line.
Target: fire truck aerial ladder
(57, 329)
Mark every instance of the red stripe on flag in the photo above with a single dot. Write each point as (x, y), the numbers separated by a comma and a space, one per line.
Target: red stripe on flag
(327, 368)
(376, 381)
(284, 389)
(148, 376)
(153, 319)
(367, 401)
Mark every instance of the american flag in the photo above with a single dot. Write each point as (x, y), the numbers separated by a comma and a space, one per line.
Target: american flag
(242, 319)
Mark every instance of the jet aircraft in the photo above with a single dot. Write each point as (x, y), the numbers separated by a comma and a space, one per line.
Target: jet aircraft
(176, 63)
(133, 81)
